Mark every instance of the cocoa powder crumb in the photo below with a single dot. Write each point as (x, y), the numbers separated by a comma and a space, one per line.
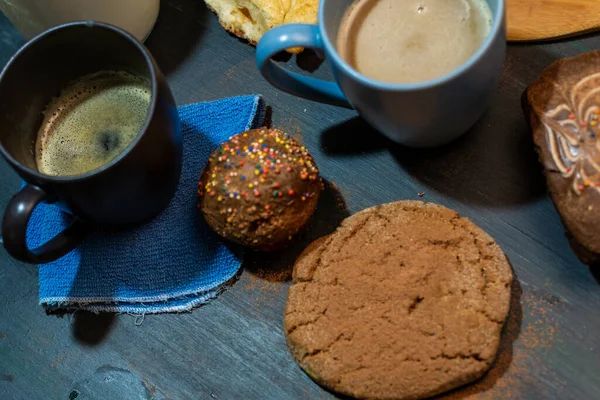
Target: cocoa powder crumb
(265, 287)
(337, 193)
(525, 350)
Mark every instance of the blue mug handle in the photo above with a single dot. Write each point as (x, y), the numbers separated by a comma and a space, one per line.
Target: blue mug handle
(296, 35)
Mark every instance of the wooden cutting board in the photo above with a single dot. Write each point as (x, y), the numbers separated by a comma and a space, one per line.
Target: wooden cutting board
(530, 20)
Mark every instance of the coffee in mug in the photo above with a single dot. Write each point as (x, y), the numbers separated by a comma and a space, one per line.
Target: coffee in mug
(412, 41)
(91, 122)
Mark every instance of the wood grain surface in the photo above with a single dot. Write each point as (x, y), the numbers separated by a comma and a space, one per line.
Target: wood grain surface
(234, 348)
(531, 20)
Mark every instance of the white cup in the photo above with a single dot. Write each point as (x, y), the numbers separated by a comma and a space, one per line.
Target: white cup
(32, 17)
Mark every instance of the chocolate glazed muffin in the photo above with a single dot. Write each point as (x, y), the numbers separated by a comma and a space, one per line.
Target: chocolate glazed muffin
(259, 189)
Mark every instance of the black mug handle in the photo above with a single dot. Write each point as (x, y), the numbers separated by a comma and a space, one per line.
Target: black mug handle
(14, 230)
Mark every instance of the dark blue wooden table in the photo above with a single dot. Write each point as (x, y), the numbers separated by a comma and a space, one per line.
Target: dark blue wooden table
(234, 347)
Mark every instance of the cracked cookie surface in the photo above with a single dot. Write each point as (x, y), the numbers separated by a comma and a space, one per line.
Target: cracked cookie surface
(403, 301)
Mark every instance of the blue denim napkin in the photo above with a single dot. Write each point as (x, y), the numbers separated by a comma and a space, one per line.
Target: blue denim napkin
(171, 264)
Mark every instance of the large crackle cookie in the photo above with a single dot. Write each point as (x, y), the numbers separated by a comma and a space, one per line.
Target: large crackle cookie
(563, 110)
(403, 301)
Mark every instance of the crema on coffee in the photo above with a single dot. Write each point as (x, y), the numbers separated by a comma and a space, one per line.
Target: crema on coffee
(91, 122)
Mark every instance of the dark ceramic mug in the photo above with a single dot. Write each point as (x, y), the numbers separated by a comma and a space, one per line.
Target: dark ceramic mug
(132, 188)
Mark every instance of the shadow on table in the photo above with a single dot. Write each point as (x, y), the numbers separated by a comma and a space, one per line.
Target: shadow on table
(88, 328)
(308, 60)
(510, 333)
(177, 32)
(495, 167)
(493, 164)
(278, 266)
(595, 271)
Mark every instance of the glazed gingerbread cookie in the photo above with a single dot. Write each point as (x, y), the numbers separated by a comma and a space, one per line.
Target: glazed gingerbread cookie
(403, 301)
(259, 188)
(562, 107)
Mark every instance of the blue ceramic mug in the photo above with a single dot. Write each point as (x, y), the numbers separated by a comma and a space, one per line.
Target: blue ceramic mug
(421, 114)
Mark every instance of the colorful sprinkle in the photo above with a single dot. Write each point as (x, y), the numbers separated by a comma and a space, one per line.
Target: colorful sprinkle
(571, 116)
(265, 158)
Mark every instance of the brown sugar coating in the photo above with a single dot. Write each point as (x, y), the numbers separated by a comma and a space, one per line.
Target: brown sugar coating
(259, 188)
(403, 301)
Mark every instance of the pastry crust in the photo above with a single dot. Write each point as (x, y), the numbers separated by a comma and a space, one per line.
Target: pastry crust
(302, 11)
(251, 19)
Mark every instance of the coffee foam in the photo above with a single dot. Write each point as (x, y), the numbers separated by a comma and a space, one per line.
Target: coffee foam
(91, 123)
(412, 41)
